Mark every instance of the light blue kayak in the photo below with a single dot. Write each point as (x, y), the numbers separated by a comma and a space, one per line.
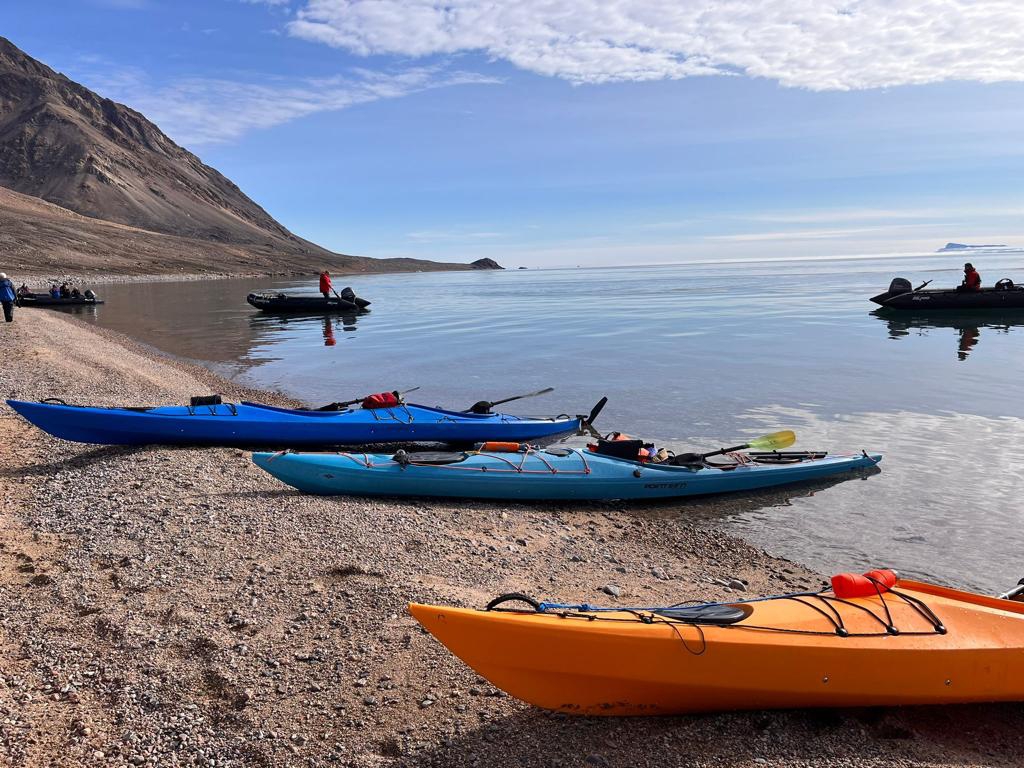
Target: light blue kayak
(553, 474)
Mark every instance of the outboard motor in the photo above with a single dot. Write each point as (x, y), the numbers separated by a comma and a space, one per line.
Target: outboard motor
(900, 285)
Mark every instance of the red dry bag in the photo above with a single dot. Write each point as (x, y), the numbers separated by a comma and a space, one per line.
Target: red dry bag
(382, 400)
(848, 585)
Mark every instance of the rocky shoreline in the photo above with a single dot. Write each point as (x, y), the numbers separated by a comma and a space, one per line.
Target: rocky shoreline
(180, 607)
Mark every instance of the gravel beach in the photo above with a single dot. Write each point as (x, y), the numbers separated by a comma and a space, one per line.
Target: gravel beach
(180, 607)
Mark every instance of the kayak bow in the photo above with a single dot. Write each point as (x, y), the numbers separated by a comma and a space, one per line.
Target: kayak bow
(918, 644)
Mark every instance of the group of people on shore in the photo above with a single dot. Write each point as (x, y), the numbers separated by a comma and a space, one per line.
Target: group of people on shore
(10, 296)
(65, 291)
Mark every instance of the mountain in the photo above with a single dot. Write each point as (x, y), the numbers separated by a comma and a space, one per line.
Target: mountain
(115, 177)
(44, 241)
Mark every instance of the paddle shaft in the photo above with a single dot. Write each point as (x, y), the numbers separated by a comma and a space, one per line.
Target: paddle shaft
(1012, 593)
(484, 406)
(521, 397)
(694, 458)
(360, 399)
(720, 451)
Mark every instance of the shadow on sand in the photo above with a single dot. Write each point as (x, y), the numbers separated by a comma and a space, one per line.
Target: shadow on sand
(990, 734)
(85, 459)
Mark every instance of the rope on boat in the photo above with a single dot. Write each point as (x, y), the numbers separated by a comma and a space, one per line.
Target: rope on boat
(826, 605)
(513, 467)
(391, 414)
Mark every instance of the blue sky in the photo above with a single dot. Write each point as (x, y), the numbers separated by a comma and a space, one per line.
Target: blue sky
(583, 131)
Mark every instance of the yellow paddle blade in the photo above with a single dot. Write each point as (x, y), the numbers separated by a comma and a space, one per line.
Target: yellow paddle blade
(774, 441)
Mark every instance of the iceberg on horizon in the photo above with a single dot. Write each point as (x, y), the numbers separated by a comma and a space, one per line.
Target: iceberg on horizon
(961, 247)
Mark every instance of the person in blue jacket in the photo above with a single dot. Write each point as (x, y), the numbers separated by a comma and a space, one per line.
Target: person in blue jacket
(7, 297)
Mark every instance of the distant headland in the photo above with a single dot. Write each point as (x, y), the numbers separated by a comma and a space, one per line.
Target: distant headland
(962, 247)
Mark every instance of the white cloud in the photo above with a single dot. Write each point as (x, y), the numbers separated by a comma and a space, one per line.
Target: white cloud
(815, 44)
(196, 111)
(813, 234)
(837, 215)
(450, 236)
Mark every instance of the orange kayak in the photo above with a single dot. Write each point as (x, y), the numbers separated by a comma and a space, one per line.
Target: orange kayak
(917, 644)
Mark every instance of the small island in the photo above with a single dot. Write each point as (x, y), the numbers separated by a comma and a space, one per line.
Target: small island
(961, 247)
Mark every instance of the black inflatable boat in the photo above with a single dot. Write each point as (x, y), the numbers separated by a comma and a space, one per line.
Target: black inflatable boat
(46, 300)
(269, 301)
(902, 295)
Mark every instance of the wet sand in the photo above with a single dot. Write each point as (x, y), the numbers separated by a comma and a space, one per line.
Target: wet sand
(180, 607)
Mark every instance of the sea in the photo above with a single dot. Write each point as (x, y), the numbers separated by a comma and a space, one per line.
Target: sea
(692, 356)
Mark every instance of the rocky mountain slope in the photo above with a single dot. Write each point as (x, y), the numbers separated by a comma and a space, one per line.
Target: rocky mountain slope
(143, 203)
(42, 240)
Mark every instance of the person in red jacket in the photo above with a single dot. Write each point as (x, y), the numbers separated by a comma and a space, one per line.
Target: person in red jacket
(325, 284)
(972, 280)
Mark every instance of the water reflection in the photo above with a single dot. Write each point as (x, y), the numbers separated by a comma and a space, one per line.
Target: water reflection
(81, 310)
(965, 325)
(944, 507)
(332, 327)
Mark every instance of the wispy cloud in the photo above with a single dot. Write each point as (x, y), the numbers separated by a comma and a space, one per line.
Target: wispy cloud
(879, 214)
(451, 236)
(812, 234)
(196, 111)
(826, 45)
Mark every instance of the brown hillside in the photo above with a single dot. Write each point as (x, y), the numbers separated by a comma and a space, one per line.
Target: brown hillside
(41, 239)
(145, 205)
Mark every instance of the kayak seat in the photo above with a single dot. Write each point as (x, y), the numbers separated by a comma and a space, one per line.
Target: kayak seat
(329, 407)
(560, 452)
(430, 457)
(294, 411)
(712, 613)
(197, 400)
(619, 449)
(721, 462)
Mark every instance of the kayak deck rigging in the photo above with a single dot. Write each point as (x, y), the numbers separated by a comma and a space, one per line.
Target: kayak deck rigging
(828, 606)
(454, 460)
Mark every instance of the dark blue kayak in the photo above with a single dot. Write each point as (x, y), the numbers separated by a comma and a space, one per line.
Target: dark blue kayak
(252, 424)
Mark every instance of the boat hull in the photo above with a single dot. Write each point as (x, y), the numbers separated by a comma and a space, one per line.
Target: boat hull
(253, 425)
(48, 301)
(284, 304)
(946, 300)
(543, 476)
(628, 667)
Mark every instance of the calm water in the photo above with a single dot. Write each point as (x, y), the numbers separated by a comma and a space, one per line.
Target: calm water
(691, 357)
